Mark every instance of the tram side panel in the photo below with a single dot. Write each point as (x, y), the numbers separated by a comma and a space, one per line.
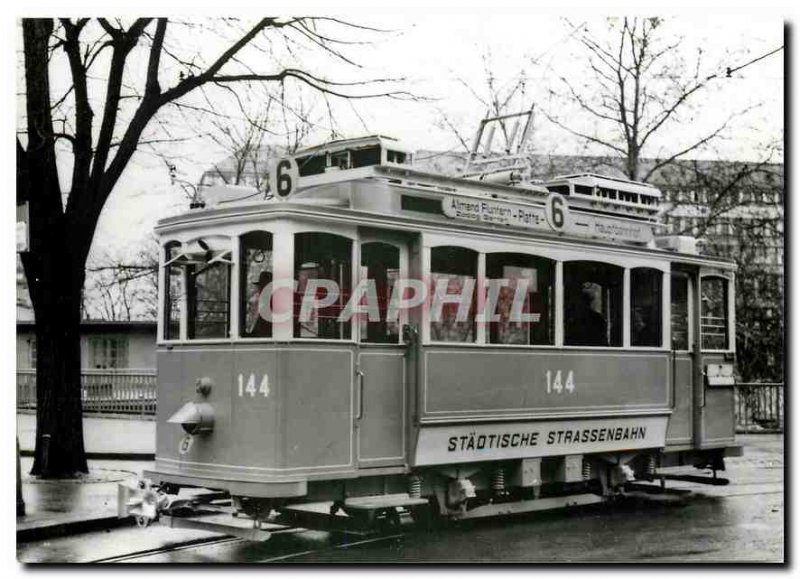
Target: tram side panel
(513, 404)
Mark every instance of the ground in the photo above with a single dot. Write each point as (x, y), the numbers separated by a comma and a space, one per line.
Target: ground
(741, 522)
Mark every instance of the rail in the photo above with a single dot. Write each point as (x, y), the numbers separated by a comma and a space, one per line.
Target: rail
(759, 406)
(129, 391)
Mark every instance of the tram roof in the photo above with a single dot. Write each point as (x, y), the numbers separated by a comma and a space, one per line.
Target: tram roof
(407, 178)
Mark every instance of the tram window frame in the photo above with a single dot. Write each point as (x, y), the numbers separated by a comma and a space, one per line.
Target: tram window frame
(725, 308)
(389, 265)
(457, 262)
(251, 286)
(310, 246)
(544, 285)
(684, 316)
(580, 291)
(193, 271)
(640, 276)
(172, 250)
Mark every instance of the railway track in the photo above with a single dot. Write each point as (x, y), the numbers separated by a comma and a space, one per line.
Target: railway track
(199, 544)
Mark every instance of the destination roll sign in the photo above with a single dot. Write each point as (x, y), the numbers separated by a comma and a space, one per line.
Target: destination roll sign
(554, 216)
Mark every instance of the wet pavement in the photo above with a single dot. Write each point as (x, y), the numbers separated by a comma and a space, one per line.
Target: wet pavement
(95, 496)
(741, 522)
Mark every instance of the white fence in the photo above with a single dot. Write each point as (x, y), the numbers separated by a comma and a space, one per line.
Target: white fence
(112, 391)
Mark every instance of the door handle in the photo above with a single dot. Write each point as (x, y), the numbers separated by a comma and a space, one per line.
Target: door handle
(360, 376)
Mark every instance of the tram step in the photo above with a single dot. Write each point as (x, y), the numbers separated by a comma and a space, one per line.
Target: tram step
(383, 502)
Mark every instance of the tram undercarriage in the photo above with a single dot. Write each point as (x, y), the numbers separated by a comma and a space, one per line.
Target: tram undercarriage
(453, 492)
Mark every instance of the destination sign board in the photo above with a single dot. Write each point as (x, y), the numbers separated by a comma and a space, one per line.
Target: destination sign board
(550, 217)
(479, 442)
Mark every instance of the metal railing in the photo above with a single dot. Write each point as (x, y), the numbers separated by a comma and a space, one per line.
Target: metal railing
(759, 406)
(110, 391)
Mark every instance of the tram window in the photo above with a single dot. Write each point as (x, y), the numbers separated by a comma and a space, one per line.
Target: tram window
(366, 156)
(380, 263)
(421, 204)
(538, 299)
(209, 304)
(256, 274)
(456, 266)
(714, 313)
(172, 295)
(311, 165)
(679, 295)
(593, 304)
(322, 256)
(646, 306)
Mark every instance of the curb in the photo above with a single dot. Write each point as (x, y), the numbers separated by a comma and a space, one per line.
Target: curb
(48, 529)
(138, 456)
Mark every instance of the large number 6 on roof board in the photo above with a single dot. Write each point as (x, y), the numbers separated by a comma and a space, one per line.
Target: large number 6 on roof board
(283, 177)
(557, 212)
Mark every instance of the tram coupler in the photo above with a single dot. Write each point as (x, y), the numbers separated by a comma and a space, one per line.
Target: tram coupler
(141, 500)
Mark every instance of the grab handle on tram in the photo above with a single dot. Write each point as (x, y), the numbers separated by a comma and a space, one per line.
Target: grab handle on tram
(674, 382)
(360, 376)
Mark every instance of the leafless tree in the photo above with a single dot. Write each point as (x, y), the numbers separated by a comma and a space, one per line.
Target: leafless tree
(495, 96)
(122, 79)
(120, 287)
(637, 87)
(278, 128)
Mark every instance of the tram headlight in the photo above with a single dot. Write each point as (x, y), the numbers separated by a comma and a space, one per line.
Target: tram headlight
(194, 417)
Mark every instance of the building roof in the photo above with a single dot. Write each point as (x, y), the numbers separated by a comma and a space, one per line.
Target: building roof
(107, 325)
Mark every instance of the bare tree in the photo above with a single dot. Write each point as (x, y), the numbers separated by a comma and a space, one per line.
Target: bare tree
(637, 88)
(99, 121)
(496, 97)
(121, 287)
(250, 142)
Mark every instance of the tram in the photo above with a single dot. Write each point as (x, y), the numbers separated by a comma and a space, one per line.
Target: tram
(618, 363)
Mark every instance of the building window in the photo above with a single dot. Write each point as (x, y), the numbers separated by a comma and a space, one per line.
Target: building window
(679, 296)
(173, 293)
(532, 274)
(646, 307)
(255, 256)
(453, 271)
(714, 313)
(108, 352)
(380, 264)
(592, 304)
(323, 271)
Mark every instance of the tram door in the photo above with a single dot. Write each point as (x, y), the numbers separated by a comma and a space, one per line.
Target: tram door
(381, 371)
(681, 422)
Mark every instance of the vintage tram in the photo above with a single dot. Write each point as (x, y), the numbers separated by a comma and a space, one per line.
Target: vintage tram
(621, 363)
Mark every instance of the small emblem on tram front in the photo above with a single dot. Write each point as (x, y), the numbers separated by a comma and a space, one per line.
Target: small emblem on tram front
(186, 444)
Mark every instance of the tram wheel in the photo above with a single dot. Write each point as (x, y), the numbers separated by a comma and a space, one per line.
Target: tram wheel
(426, 516)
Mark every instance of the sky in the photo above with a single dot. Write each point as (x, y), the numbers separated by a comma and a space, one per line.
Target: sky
(443, 58)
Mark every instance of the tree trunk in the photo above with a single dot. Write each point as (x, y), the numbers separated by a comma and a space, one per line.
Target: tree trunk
(59, 416)
(54, 269)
